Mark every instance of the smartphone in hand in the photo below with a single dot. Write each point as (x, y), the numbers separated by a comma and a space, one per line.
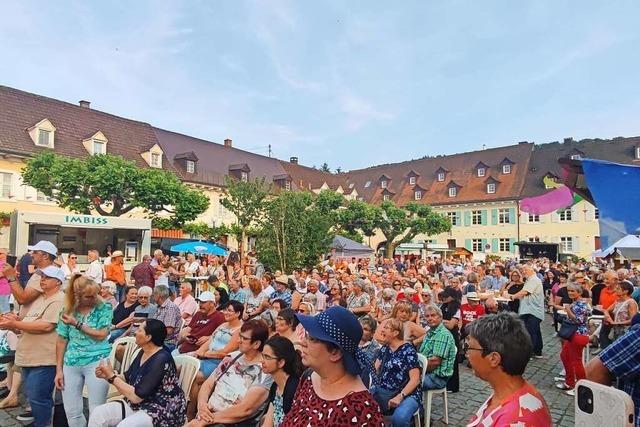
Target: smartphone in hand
(12, 260)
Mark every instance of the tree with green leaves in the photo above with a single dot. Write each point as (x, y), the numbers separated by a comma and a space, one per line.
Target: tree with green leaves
(402, 224)
(245, 200)
(113, 186)
(325, 168)
(358, 219)
(295, 233)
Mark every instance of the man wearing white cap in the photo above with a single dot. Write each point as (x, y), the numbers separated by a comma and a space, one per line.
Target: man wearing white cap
(44, 254)
(36, 349)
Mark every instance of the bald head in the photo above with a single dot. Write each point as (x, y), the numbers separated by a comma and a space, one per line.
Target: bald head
(611, 279)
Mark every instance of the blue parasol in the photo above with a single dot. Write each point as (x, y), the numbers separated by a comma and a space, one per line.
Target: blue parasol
(199, 247)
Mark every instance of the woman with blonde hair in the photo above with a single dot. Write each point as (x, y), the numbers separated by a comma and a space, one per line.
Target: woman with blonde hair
(413, 332)
(83, 331)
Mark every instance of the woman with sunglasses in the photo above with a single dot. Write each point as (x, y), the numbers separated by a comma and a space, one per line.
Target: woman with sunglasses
(335, 296)
(83, 332)
(283, 363)
(512, 287)
(71, 266)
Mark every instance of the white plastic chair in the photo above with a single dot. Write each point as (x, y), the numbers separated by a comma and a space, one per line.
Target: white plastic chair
(188, 366)
(130, 352)
(423, 370)
(427, 395)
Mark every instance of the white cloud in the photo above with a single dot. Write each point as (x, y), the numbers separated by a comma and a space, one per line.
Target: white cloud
(360, 111)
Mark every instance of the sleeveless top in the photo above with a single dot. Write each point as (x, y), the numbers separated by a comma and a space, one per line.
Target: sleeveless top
(221, 337)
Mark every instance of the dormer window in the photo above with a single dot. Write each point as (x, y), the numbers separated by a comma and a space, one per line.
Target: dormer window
(440, 176)
(481, 172)
(575, 157)
(506, 169)
(412, 180)
(383, 183)
(191, 166)
(244, 176)
(453, 191)
(417, 195)
(96, 144)
(385, 197)
(491, 188)
(43, 133)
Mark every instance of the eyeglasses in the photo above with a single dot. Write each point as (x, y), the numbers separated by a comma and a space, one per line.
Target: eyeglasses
(269, 357)
(309, 338)
(466, 348)
(243, 338)
(142, 297)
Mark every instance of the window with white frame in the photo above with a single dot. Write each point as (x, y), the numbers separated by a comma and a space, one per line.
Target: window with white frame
(156, 160)
(6, 179)
(503, 245)
(440, 176)
(99, 147)
(565, 215)
(566, 244)
(503, 216)
(453, 191)
(476, 217)
(41, 197)
(476, 245)
(596, 213)
(44, 137)
(534, 218)
(481, 172)
(383, 183)
(534, 239)
(417, 195)
(412, 180)
(506, 169)
(244, 177)
(287, 185)
(191, 166)
(385, 197)
(453, 218)
(367, 184)
(491, 188)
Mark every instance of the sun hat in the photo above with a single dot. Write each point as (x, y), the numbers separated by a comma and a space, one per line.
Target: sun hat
(284, 280)
(52, 271)
(473, 296)
(206, 296)
(44, 246)
(116, 254)
(339, 326)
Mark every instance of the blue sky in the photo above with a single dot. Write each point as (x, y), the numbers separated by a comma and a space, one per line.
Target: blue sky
(352, 83)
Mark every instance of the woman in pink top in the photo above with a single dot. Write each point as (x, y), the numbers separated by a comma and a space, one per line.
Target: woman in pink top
(498, 348)
(5, 289)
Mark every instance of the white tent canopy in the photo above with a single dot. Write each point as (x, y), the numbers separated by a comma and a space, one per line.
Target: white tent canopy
(627, 242)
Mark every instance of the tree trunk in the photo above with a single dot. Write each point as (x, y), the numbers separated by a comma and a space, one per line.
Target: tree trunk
(241, 245)
(390, 248)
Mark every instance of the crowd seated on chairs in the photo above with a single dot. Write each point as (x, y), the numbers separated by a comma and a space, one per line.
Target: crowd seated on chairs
(348, 342)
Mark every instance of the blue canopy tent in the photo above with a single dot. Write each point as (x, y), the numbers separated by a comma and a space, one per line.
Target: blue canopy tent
(199, 247)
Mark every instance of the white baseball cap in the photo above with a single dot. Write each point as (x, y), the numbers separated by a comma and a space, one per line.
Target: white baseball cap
(206, 296)
(53, 271)
(44, 246)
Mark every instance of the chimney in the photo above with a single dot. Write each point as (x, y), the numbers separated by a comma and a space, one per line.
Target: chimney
(293, 160)
(568, 140)
(84, 104)
(228, 143)
(523, 142)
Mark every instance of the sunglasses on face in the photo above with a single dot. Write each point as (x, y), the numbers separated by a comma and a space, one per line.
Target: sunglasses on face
(73, 257)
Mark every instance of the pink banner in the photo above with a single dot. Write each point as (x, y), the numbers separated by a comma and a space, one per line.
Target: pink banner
(553, 200)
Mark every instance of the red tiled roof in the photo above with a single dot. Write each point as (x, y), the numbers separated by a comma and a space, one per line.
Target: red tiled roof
(21, 110)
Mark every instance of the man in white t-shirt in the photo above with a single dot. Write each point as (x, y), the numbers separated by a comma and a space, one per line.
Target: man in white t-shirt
(531, 309)
(238, 386)
(94, 270)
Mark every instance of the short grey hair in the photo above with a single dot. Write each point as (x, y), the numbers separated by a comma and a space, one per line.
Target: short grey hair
(574, 287)
(188, 285)
(145, 291)
(472, 277)
(433, 308)
(161, 291)
(370, 322)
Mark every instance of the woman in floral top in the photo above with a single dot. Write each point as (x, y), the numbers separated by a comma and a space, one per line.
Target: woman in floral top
(83, 339)
(571, 354)
(151, 390)
(398, 388)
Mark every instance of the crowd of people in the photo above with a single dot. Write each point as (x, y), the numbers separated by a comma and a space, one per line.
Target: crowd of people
(348, 342)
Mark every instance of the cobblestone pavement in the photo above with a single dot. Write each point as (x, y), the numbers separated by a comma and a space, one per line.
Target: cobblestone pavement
(473, 392)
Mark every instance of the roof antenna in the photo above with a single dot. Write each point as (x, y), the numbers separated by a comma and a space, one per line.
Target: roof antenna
(484, 146)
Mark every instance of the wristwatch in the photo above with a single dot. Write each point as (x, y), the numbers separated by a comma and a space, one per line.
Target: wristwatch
(112, 379)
